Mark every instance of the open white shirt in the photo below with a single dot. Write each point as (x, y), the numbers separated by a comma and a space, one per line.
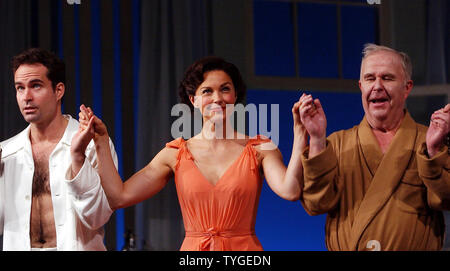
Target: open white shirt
(80, 205)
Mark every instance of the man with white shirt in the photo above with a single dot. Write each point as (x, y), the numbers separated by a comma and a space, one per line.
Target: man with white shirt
(42, 206)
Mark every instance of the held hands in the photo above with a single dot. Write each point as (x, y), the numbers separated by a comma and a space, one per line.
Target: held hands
(313, 117)
(100, 132)
(438, 130)
(80, 141)
(90, 128)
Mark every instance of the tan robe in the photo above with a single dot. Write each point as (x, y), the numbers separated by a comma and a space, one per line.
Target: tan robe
(376, 202)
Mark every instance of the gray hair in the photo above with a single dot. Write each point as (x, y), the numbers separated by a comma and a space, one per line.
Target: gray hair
(370, 48)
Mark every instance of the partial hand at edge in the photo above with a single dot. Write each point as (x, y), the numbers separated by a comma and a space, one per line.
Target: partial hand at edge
(439, 128)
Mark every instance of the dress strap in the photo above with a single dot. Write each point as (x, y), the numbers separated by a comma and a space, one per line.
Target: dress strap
(257, 140)
(176, 143)
(179, 144)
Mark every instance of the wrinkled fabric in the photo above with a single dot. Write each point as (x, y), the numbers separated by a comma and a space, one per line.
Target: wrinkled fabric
(221, 216)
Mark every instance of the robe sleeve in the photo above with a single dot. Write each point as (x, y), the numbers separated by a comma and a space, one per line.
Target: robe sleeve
(321, 191)
(435, 175)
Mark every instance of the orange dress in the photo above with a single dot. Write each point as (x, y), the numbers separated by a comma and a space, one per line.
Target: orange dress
(222, 216)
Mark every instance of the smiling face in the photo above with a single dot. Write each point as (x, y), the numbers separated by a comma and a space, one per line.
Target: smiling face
(215, 95)
(384, 89)
(38, 101)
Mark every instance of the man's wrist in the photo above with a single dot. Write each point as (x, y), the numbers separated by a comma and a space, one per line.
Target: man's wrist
(77, 164)
(319, 142)
(78, 158)
(316, 146)
(431, 151)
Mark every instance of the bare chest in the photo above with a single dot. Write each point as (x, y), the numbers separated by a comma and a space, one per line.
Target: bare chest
(42, 222)
(41, 177)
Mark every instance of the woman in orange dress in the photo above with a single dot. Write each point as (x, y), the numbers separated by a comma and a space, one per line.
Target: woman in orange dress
(218, 172)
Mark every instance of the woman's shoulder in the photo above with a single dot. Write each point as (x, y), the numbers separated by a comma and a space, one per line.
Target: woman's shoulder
(264, 147)
(170, 154)
(176, 143)
(259, 140)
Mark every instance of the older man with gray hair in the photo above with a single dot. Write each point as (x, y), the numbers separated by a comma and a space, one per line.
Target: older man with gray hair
(385, 182)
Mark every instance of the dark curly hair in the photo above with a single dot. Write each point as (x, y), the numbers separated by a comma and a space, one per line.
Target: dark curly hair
(195, 75)
(55, 66)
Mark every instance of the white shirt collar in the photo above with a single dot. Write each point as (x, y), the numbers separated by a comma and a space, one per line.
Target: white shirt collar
(22, 140)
